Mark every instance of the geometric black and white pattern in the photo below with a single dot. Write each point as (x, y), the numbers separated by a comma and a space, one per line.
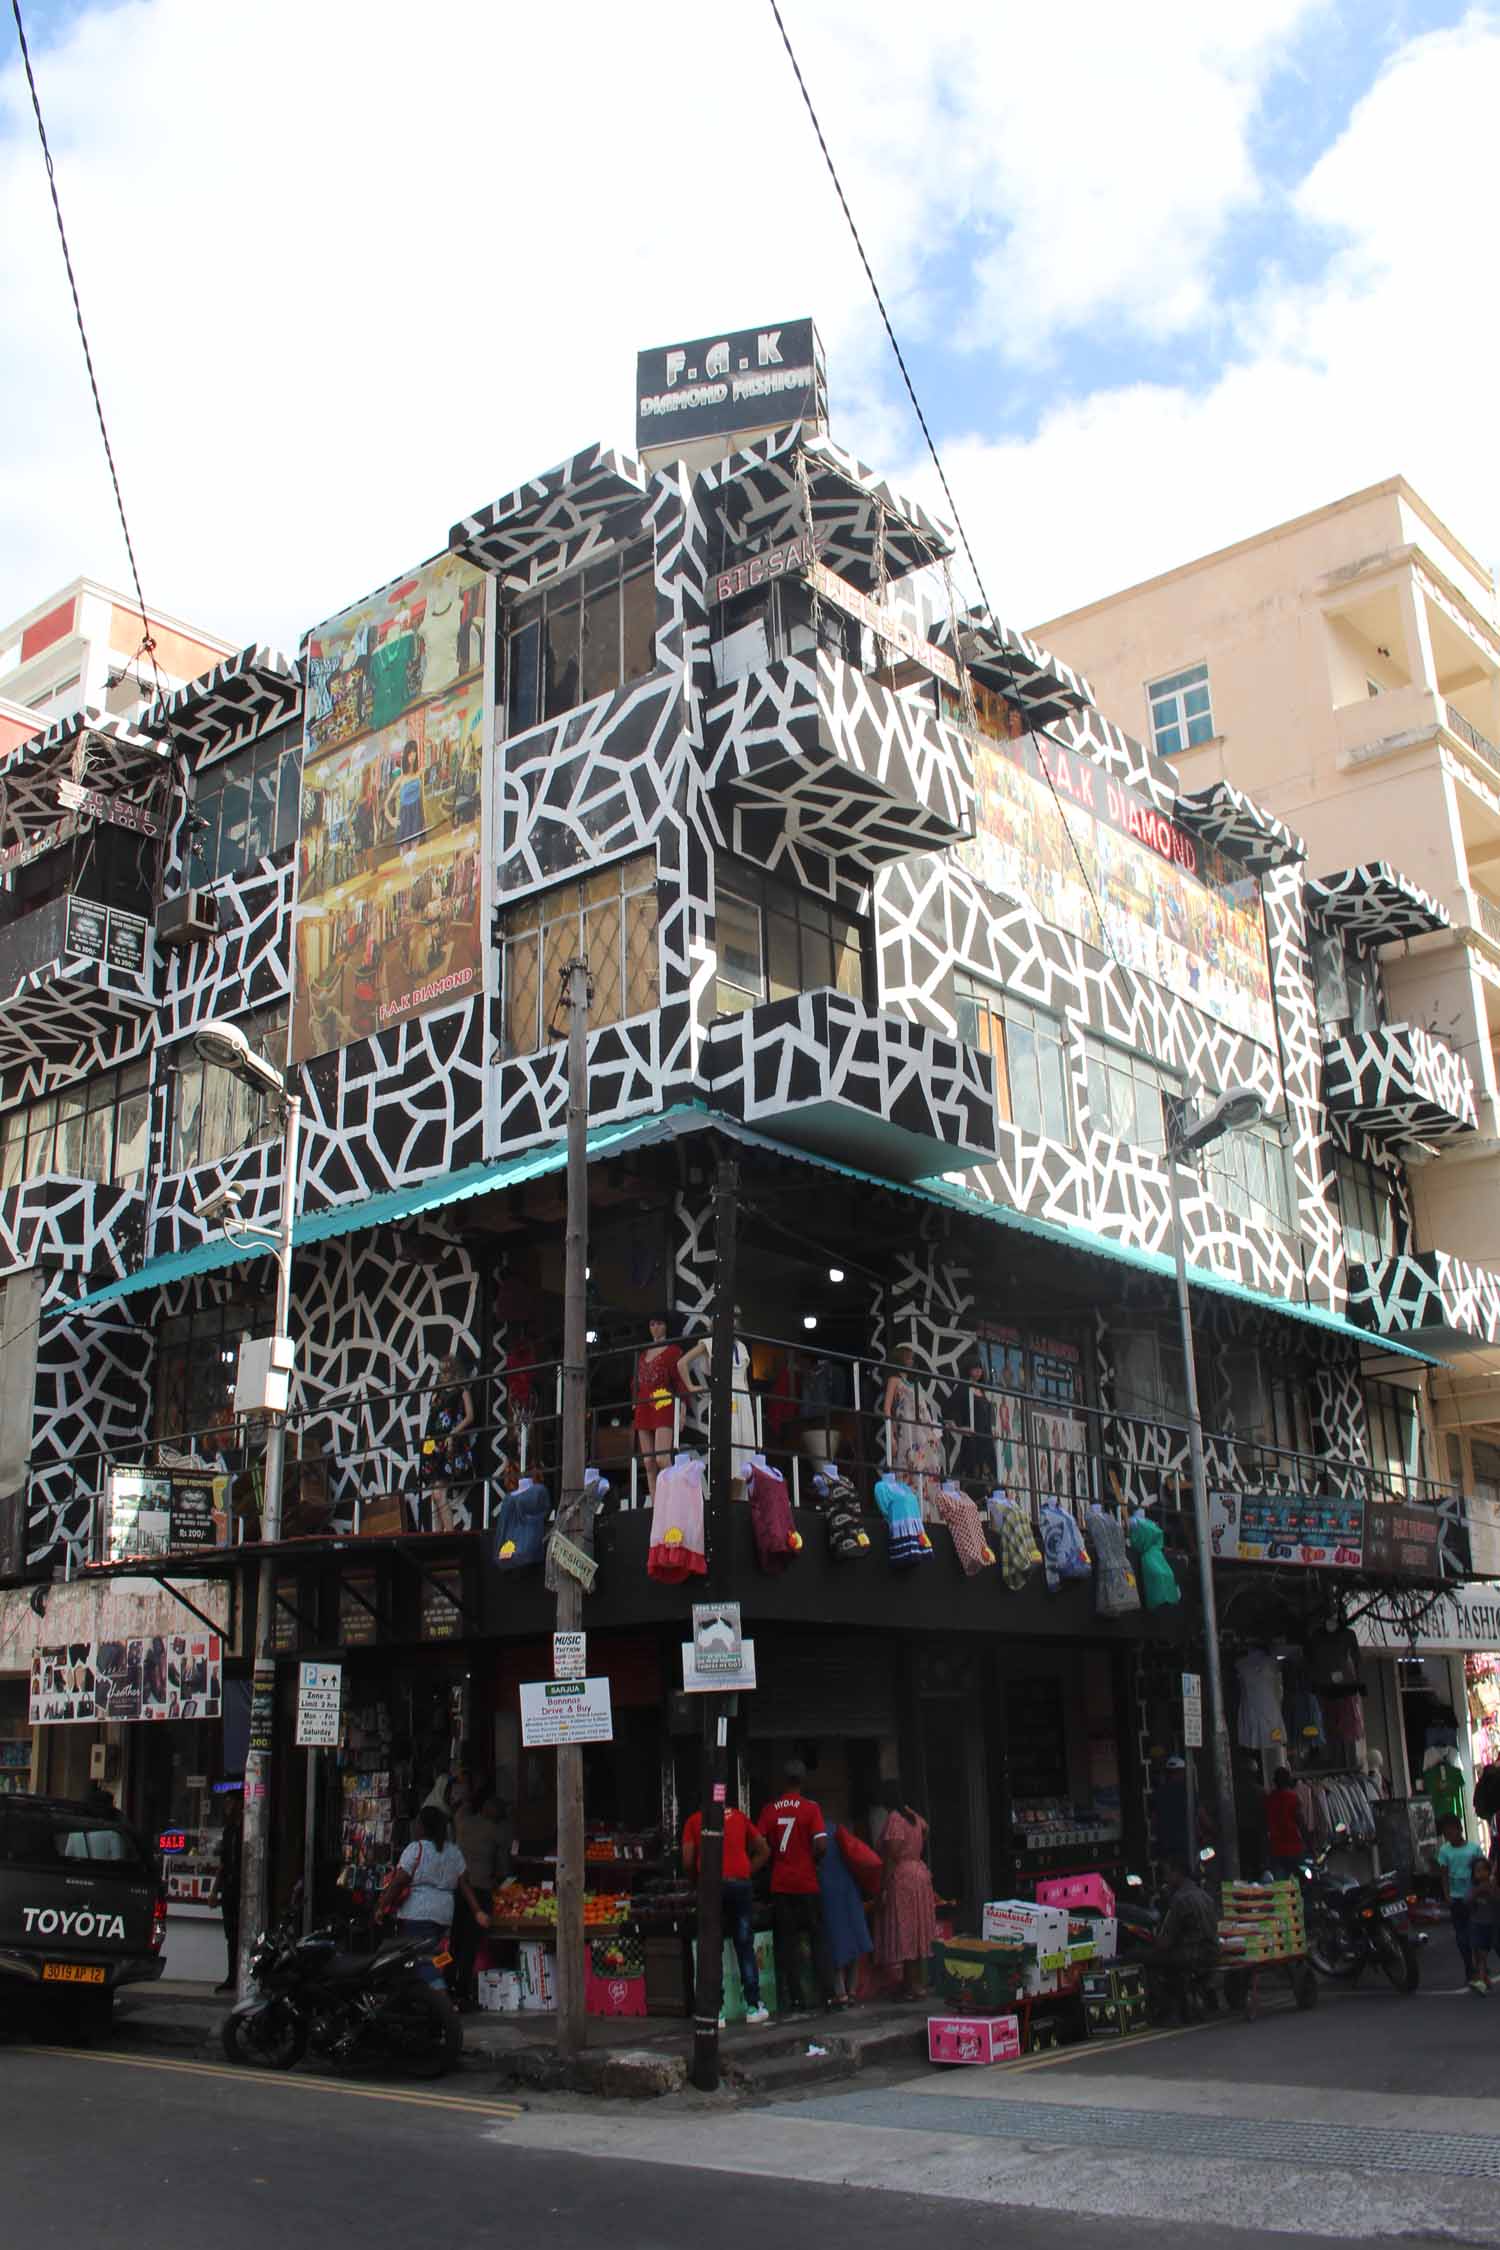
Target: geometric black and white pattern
(1427, 1291)
(1374, 904)
(1399, 1082)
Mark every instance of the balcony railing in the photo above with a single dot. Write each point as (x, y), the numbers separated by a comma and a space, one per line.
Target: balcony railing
(1489, 916)
(361, 1463)
(1459, 725)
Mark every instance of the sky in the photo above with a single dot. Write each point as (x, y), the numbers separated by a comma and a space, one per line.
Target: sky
(1163, 274)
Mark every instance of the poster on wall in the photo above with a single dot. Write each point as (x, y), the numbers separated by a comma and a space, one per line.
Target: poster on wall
(162, 1512)
(388, 890)
(165, 1676)
(1169, 906)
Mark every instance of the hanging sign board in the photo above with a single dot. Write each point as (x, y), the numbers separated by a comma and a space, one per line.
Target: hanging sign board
(116, 812)
(1326, 1532)
(718, 1645)
(320, 1689)
(564, 1555)
(160, 1512)
(774, 562)
(569, 1656)
(1192, 1711)
(716, 386)
(554, 1712)
(888, 627)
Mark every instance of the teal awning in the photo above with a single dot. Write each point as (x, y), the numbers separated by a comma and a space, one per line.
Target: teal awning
(399, 1204)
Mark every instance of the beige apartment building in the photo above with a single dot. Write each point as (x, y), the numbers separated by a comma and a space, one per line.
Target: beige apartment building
(1344, 669)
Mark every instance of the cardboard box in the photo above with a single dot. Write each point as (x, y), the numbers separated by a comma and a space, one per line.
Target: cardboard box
(1075, 1891)
(1044, 2034)
(538, 1971)
(973, 2039)
(977, 1975)
(1021, 1921)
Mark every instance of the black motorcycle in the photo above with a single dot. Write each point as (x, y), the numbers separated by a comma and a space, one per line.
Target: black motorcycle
(1351, 1925)
(347, 2007)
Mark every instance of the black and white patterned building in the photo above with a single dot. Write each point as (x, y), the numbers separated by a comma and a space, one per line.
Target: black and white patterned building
(765, 818)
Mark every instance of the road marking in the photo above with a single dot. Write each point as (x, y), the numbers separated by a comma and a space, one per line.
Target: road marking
(1112, 2047)
(469, 2106)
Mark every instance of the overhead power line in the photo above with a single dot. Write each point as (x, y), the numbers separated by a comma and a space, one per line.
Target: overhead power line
(148, 644)
(942, 474)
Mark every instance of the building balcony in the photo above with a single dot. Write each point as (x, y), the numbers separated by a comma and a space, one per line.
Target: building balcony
(823, 1072)
(86, 1226)
(813, 747)
(66, 967)
(1429, 1298)
(1399, 1083)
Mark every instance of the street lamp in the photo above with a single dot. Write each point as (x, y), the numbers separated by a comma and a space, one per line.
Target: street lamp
(1235, 1109)
(226, 1046)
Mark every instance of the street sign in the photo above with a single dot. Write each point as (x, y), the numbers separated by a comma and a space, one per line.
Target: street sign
(569, 1656)
(558, 1711)
(717, 1643)
(1192, 1711)
(319, 1706)
(567, 1556)
(696, 1682)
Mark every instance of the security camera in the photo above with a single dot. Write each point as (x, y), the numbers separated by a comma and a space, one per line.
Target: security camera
(221, 1207)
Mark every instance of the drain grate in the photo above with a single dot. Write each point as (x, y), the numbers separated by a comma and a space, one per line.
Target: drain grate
(1145, 2132)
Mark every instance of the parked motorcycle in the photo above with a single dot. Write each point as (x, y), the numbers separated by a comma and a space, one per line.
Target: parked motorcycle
(1352, 1924)
(349, 2007)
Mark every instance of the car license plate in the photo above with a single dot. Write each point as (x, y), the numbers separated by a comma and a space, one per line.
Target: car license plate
(1397, 1906)
(71, 1972)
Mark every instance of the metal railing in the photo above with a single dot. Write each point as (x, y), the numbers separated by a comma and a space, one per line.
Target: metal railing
(378, 1462)
(1488, 914)
(1459, 725)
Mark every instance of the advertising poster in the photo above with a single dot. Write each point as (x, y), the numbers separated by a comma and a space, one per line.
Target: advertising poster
(388, 887)
(162, 1512)
(1288, 1527)
(166, 1676)
(1171, 907)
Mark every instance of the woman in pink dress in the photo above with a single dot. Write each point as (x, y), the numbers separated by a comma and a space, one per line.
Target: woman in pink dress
(906, 1916)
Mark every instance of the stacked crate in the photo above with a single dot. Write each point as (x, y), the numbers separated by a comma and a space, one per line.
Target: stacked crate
(1261, 1922)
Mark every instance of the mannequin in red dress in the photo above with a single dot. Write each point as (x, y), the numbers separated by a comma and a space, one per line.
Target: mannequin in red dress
(659, 1382)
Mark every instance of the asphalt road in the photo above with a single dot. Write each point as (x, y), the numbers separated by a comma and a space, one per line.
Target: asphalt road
(99, 2145)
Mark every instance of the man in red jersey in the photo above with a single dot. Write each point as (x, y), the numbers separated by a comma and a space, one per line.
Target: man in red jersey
(794, 1828)
(745, 1854)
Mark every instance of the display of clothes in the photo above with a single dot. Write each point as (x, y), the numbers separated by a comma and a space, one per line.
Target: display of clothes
(677, 1548)
(1064, 1554)
(776, 1537)
(916, 1442)
(959, 1513)
(1159, 1587)
(1442, 1783)
(521, 1530)
(1329, 1801)
(969, 1410)
(847, 1536)
(1261, 1723)
(1115, 1590)
(906, 1540)
(1014, 1540)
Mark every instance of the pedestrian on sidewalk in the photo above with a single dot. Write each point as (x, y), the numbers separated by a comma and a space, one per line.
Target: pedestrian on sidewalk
(1284, 1835)
(1484, 1910)
(1457, 1861)
(1187, 1944)
(844, 1924)
(227, 1885)
(794, 1828)
(434, 1875)
(745, 1854)
(906, 1915)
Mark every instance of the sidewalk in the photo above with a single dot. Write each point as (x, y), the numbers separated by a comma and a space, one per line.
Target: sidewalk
(639, 2056)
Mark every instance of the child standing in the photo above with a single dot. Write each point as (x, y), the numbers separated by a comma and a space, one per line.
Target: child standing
(1484, 1909)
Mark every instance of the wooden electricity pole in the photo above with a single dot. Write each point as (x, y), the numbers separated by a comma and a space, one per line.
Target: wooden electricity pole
(572, 2025)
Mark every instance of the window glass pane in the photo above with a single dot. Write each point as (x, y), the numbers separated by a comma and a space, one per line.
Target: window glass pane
(288, 799)
(1054, 1091)
(639, 626)
(1025, 1078)
(99, 1133)
(971, 1022)
(1168, 738)
(848, 970)
(261, 826)
(562, 659)
(69, 1152)
(817, 959)
(130, 1139)
(782, 976)
(601, 643)
(739, 948)
(234, 822)
(39, 1136)
(12, 1147)
(187, 1112)
(562, 940)
(525, 676)
(642, 975)
(1148, 1132)
(1097, 1079)
(603, 951)
(203, 856)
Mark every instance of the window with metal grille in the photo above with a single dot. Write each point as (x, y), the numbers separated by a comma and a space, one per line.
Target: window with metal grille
(95, 1131)
(246, 807)
(1181, 713)
(1126, 1094)
(213, 1112)
(1029, 1049)
(607, 917)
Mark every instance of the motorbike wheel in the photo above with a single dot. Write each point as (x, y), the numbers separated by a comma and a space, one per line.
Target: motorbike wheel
(422, 2029)
(277, 2044)
(1330, 1952)
(1399, 1959)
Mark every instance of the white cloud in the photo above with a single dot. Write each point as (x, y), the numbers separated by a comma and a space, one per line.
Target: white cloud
(350, 272)
(1385, 366)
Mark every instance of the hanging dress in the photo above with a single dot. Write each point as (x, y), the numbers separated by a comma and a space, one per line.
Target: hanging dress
(1115, 1589)
(1159, 1585)
(677, 1550)
(959, 1513)
(1014, 1540)
(906, 1541)
(1064, 1554)
(916, 1446)
(658, 1386)
(776, 1537)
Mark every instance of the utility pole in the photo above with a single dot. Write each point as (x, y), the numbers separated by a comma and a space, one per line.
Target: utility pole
(572, 2024)
(708, 1998)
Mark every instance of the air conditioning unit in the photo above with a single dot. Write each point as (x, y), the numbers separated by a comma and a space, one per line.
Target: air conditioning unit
(189, 919)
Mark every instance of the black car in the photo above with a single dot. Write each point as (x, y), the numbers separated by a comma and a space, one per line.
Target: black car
(82, 1907)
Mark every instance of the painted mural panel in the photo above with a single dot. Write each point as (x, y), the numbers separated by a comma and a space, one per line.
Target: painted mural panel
(1171, 907)
(388, 914)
